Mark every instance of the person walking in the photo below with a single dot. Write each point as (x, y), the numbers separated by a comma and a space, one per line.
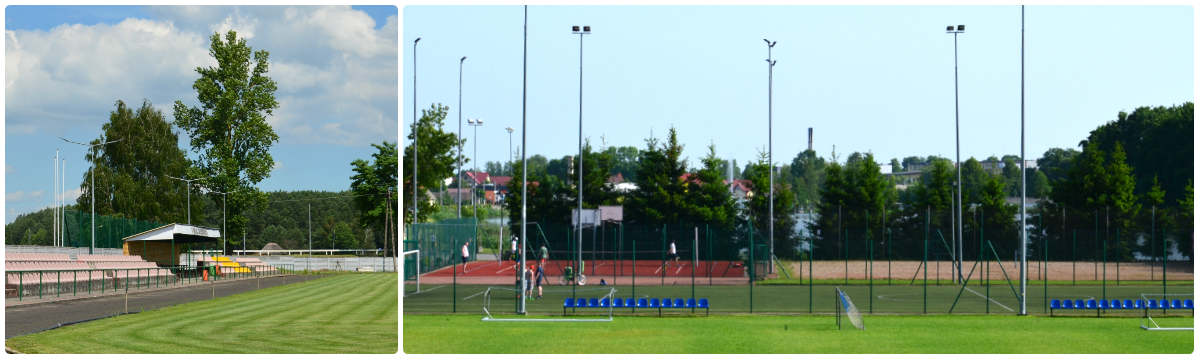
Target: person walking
(673, 255)
(513, 252)
(541, 273)
(545, 255)
(465, 255)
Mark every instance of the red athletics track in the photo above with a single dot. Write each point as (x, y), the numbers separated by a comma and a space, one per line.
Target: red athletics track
(491, 268)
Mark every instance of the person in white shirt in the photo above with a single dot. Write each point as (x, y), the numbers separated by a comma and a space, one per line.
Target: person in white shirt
(466, 255)
(672, 254)
(514, 250)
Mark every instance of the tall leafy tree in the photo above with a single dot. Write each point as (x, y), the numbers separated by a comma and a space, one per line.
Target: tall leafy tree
(229, 130)
(1055, 163)
(1158, 141)
(625, 161)
(757, 207)
(437, 159)
(808, 170)
(128, 173)
(375, 184)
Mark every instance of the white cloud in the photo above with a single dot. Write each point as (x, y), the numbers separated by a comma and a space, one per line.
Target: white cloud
(277, 166)
(72, 195)
(336, 73)
(22, 196)
(8, 169)
(72, 75)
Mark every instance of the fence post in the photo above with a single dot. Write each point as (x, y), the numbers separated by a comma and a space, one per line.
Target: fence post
(925, 265)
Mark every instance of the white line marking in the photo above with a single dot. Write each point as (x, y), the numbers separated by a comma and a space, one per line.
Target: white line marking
(989, 299)
(506, 269)
(435, 288)
(480, 293)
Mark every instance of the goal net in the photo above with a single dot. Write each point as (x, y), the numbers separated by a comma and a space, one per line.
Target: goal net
(498, 300)
(411, 263)
(845, 305)
(1167, 308)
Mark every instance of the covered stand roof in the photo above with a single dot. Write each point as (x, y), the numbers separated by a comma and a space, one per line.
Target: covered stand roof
(180, 233)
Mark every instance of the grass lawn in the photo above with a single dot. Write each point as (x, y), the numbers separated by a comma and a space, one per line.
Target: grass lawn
(339, 314)
(796, 334)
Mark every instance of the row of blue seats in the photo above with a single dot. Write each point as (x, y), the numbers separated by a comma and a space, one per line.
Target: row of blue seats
(636, 303)
(1119, 305)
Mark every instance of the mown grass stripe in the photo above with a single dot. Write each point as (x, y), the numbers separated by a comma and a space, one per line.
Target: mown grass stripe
(338, 314)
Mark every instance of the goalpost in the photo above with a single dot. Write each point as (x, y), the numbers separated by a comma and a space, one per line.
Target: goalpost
(605, 292)
(843, 304)
(1172, 302)
(412, 269)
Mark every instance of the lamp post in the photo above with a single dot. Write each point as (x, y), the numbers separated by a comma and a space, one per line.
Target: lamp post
(416, 129)
(770, 162)
(957, 153)
(92, 190)
(224, 200)
(587, 30)
(1024, 231)
(189, 192)
(475, 123)
(460, 64)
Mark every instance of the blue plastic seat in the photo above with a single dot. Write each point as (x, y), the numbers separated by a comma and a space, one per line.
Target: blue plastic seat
(703, 303)
(618, 303)
(1116, 304)
(1189, 304)
(604, 303)
(1128, 304)
(1091, 304)
(1139, 304)
(1164, 304)
(594, 302)
(642, 303)
(1055, 304)
(691, 303)
(1079, 304)
(1068, 304)
(680, 304)
(654, 303)
(1102, 304)
(1176, 304)
(581, 303)
(667, 303)
(1151, 304)
(569, 302)
(630, 303)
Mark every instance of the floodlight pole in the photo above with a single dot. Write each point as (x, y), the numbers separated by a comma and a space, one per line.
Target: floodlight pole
(770, 162)
(579, 222)
(224, 200)
(1024, 232)
(416, 132)
(460, 65)
(474, 175)
(957, 158)
(524, 163)
(92, 249)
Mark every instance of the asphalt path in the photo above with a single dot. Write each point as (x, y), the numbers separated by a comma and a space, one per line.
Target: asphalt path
(24, 318)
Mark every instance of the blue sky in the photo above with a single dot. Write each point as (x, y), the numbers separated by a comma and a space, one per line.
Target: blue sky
(65, 67)
(867, 78)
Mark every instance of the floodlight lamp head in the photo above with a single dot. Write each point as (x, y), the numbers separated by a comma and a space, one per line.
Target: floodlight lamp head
(463, 59)
(587, 29)
(510, 129)
(950, 28)
(415, 41)
(479, 121)
(575, 29)
(962, 28)
(470, 121)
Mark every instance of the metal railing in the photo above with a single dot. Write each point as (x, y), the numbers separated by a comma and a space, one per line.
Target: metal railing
(73, 282)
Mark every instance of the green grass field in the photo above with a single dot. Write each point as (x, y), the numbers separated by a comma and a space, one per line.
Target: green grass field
(795, 334)
(338, 314)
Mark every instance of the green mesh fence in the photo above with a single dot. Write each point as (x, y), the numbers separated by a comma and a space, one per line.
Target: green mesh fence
(110, 231)
(441, 242)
